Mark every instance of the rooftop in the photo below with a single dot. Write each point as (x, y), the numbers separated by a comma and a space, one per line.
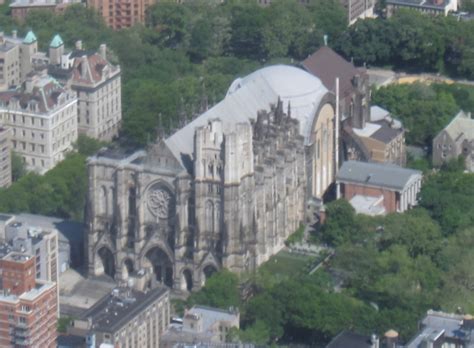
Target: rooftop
(211, 315)
(40, 95)
(40, 288)
(461, 124)
(386, 133)
(368, 205)
(56, 42)
(116, 309)
(17, 257)
(437, 324)
(326, 64)
(375, 174)
(29, 38)
(68, 230)
(257, 91)
(420, 3)
(5, 217)
(6, 46)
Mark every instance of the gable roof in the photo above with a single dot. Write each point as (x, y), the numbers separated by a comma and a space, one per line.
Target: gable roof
(327, 65)
(376, 174)
(461, 124)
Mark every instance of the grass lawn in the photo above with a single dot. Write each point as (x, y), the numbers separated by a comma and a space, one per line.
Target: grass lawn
(285, 264)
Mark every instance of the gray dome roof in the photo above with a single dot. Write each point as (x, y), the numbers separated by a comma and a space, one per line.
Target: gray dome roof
(302, 90)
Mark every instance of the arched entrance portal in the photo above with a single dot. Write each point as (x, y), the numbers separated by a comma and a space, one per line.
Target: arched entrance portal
(187, 280)
(108, 261)
(161, 264)
(128, 268)
(208, 271)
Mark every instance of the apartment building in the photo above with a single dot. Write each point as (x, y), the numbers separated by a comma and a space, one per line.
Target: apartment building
(119, 14)
(16, 58)
(125, 318)
(9, 63)
(98, 87)
(43, 118)
(97, 84)
(5, 157)
(28, 307)
(21, 8)
(30, 240)
(358, 9)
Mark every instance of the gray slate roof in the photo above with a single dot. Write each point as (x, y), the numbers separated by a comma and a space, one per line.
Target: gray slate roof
(375, 174)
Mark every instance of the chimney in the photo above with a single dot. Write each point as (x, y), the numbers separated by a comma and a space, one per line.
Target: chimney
(374, 341)
(78, 45)
(83, 66)
(14, 34)
(103, 51)
(1, 37)
(30, 83)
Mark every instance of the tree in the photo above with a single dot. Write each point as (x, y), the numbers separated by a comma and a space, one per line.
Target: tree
(339, 225)
(221, 291)
(415, 230)
(170, 22)
(448, 196)
(88, 146)
(424, 110)
(247, 40)
(18, 166)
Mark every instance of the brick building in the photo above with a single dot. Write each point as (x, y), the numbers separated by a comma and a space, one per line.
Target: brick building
(122, 13)
(28, 307)
(377, 189)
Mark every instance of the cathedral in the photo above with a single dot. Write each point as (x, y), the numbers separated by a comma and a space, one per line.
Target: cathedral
(224, 191)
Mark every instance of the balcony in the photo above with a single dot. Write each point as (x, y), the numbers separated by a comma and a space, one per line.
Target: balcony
(22, 342)
(22, 334)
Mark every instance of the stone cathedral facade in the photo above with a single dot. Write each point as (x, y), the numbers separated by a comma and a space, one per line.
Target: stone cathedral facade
(225, 191)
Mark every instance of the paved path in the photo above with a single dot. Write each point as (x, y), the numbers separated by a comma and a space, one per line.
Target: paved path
(383, 77)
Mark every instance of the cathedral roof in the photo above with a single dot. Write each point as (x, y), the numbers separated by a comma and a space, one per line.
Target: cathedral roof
(258, 91)
(327, 65)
